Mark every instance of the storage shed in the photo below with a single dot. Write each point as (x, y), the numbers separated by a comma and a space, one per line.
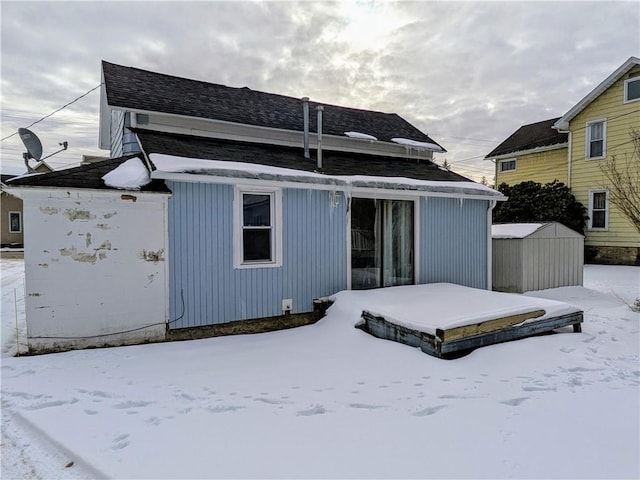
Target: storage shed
(536, 256)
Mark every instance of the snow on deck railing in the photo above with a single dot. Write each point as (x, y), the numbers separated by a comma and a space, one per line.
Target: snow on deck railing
(168, 164)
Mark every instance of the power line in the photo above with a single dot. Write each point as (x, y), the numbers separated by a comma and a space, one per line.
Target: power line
(55, 111)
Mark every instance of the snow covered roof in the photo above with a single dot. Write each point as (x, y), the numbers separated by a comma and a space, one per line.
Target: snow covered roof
(167, 165)
(85, 176)
(333, 162)
(141, 90)
(524, 230)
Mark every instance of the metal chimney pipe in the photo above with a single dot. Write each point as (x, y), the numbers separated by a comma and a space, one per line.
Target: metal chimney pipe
(305, 115)
(320, 109)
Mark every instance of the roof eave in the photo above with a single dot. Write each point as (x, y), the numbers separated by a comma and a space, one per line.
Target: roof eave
(563, 122)
(546, 148)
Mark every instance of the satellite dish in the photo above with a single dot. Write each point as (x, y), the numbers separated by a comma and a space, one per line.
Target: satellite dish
(32, 142)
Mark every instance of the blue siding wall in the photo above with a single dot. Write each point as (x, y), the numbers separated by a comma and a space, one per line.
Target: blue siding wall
(453, 245)
(201, 256)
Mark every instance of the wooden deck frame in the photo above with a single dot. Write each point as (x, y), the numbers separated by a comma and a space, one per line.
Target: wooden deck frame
(433, 345)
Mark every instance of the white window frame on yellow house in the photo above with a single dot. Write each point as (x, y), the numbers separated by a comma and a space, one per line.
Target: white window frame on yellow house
(627, 82)
(505, 161)
(592, 209)
(589, 140)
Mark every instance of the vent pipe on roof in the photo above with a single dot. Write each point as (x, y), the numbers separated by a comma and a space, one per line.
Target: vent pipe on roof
(305, 115)
(320, 109)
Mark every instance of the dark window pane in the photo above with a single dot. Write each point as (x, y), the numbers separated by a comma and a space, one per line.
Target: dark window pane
(596, 149)
(633, 90)
(366, 259)
(600, 201)
(598, 220)
(256, 210)
(14, 219)
(256, 244)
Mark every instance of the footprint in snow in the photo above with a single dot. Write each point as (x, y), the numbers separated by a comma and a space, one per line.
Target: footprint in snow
(120, 442)
(224, 408)
(429, 411)
(317, 410)
(270, 401)
(153, 420)
(366, 406)
(131, 404)
(54, 403)
(91, 412)
(514, 402)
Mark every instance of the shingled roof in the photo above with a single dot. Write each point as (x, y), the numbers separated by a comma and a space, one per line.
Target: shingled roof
(136, 89)
(333, 163)
(84, 176)
(528, 137)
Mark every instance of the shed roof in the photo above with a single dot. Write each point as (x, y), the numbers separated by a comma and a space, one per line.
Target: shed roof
(136, 89)
(333, 163)
(529, 137)
(532, 230)
(84, 176)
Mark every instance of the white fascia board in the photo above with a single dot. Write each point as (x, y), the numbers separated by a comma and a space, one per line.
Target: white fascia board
(269, 135)
(335, 185)
(547, 148)
(21, 190)
(563, 122)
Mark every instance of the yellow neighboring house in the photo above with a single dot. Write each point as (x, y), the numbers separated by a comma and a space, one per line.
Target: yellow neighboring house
(596, 128)
(534, 152)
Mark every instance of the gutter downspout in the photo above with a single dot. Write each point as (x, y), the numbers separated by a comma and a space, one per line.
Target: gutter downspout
(569, 164)
(492, 204)
(305, 116)
(320, 109)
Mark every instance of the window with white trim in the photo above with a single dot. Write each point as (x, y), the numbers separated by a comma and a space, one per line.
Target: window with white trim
(15, 222)
(632, 89)
(508, 165)
(258, 228)
(598, 210)
(596, 139)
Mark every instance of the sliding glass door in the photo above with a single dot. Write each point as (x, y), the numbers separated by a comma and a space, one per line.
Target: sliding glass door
(382, 246)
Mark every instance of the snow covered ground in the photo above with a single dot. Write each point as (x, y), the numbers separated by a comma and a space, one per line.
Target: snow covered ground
(330, 401)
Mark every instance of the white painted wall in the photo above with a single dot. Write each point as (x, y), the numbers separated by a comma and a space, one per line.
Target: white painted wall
(95, 265)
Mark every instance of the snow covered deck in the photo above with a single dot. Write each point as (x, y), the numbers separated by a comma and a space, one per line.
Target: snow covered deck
(443, 318)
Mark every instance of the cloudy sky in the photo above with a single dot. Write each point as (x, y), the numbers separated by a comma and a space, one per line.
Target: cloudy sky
(466, 73)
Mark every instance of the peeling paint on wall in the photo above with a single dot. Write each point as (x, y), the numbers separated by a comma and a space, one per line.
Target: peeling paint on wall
(85, 257)
(49, 210)
(70, 232)
(67, 252)
(77, 214)
(43, 265)
(109, 215)
(151, 256)
(129, 197)
(88, 240)
(106, 245)
(103, 226)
